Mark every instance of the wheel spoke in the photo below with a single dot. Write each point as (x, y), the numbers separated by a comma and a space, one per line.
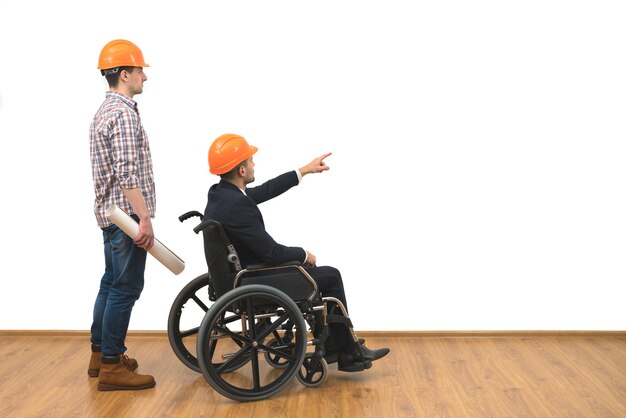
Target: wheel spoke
(239, 339)
(199, 303)
(273, 326)
(189, 332)
(256, 379)
(277, 351)
(224, 367)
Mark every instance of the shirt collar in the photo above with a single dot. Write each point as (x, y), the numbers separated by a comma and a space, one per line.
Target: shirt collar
(229, 185)
(132, 103)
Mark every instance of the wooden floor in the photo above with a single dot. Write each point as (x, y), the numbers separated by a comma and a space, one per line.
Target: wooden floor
(423, 376)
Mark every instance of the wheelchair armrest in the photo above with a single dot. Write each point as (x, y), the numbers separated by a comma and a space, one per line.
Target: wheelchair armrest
(290, 277)
(202, 225)
(262, 266)
(189, 214)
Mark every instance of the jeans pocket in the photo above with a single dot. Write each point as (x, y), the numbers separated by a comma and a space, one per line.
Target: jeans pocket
(119, 239)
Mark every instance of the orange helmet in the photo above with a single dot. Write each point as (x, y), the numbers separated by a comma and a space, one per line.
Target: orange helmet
(120, 53)
(227, 151)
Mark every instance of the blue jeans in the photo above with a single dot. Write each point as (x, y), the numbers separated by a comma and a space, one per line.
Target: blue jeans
(120, 287)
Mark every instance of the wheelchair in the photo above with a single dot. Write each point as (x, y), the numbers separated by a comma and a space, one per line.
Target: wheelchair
(256, 330)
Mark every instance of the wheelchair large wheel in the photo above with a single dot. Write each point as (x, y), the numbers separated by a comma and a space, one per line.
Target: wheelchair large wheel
(186, 314)
(218, 354)
(185, 317)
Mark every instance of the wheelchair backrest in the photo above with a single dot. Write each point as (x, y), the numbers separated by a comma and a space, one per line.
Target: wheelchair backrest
(225, 270)
(221, 258)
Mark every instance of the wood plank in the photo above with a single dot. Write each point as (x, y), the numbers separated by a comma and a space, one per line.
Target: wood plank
(481, 376)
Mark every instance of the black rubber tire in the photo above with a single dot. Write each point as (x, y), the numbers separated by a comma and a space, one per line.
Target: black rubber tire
(195, 292)
(258, 380)
(313, 378)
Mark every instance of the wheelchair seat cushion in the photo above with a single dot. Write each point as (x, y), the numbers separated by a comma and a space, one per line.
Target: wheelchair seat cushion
(291, 282)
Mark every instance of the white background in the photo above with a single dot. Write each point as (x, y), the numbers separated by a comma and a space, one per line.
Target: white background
(477, 175)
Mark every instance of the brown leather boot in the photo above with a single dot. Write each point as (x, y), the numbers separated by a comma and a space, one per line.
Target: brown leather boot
(94, 362)
(115, 374)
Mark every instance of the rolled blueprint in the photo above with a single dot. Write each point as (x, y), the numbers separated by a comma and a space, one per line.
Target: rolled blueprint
(159, 251)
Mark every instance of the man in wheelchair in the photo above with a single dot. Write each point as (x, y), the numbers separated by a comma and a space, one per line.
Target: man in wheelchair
(234, 206)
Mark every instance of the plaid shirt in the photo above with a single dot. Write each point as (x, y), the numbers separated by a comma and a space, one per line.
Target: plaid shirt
(120, 157)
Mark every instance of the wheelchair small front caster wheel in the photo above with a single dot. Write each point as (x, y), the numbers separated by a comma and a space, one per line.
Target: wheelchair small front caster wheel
(312, 378)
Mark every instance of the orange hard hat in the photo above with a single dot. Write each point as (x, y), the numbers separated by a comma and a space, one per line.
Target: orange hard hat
(227, 151)
(120, 53)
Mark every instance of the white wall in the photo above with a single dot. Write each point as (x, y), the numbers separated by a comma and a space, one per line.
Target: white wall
(477, 175)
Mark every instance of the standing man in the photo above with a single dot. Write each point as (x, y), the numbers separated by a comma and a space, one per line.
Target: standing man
(122, 175)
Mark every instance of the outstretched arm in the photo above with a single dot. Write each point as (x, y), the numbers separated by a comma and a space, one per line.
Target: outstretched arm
(316, 166)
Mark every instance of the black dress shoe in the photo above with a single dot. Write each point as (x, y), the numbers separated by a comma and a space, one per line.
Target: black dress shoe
(332, 353)
(372, 355)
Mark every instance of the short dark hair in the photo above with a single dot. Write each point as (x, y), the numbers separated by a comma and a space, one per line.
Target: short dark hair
(113, 77)
(232, 173)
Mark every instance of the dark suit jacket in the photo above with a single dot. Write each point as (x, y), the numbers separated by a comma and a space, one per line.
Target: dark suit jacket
(241, 218)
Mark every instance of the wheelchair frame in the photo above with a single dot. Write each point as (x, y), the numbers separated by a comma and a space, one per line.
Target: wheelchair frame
(260, 312)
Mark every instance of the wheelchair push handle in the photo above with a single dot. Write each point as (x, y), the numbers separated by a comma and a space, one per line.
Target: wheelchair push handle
(190, 214)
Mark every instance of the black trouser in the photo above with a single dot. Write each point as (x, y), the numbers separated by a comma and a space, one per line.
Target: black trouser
(330, 284)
